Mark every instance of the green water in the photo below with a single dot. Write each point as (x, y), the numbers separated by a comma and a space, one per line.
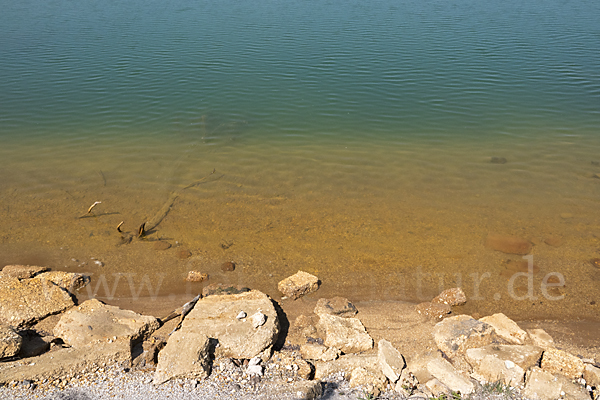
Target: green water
(352, 140)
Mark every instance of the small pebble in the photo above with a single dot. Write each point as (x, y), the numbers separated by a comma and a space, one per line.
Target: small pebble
(182, 254)
(258, 319)
(228, 266)
(241, 315)
(161, 245)
(254, 370)
(254, 361)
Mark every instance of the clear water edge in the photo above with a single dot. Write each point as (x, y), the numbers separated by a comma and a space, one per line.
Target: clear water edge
(356, 147)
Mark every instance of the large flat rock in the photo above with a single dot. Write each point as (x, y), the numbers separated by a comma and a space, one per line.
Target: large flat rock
(491, 369)
(186, 355)
(346, 334)
(560, 362)
(506, 328)
(391, 361)
(523, 356)
(66, 362)
(455, 335)
(94, 322)
(449, 376)
(507, 363)
(541, 385)
(24, 302)
(216, 318)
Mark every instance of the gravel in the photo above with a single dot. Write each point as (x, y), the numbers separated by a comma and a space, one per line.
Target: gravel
(230, 379)
(227, 381)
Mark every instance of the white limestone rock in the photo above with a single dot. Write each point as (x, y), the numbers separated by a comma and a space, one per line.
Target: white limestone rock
(541, 385)
(449, 376)
(541, 338)
(215, 317)
(455, 335)
(94, 322)
(506, 328)
(523, 356)
(186, 355)
(346, 334)
(391, 361)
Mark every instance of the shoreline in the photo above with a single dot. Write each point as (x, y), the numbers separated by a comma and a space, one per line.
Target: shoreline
(298, 328)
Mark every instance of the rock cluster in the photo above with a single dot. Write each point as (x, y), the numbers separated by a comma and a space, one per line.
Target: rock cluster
(494, 349)
(239, 330)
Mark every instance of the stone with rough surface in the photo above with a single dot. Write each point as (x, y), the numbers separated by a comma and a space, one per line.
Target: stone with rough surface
(346, 364)
(523, 356)
(336, 306)
(508, 244)
(455, 335)
(318, 352)
(452, 297)
(571, 389)
(258, 319)
(10, 341)
(591, 375)
(407, 383)
(196, 276)
(70, 281)
(437, 388)
(541, 385)
(94, 322)
(506, 328)
(492, 369)
(186, 355)
(560, 362)
(541, 338)
(298, 285)
(449, 376)
(27, 301)
(66, 362)
(363, 377)
(23, 271)
(346, 334)
(391, 361)
(434, 311)
(301, 390)
(215, 317)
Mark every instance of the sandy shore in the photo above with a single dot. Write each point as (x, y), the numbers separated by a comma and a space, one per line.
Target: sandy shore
(391, 320)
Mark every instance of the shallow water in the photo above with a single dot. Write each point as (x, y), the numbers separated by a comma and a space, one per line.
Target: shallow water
(350, 140)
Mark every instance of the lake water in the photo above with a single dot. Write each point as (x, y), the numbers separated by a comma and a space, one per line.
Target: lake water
(352, 140)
